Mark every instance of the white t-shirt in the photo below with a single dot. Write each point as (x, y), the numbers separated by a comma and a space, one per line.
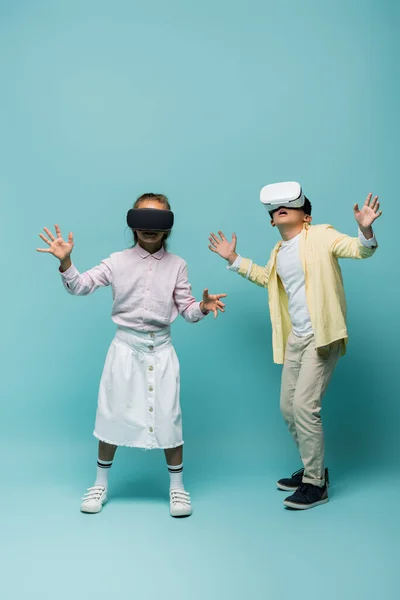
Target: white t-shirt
(291, 274)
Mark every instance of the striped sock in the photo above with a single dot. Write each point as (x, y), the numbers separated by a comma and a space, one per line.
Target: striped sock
(176, 477)
(103, 468)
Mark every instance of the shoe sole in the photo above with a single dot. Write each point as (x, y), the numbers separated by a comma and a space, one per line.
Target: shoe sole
(180, 514)
(91, 511)
(295, 506)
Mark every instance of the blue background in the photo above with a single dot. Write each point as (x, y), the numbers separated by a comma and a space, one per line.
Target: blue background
(205, 102)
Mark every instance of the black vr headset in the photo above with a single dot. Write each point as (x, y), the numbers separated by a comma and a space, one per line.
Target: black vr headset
(150, 219)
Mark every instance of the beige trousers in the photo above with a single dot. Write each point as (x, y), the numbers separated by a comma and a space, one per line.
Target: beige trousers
(305, 377)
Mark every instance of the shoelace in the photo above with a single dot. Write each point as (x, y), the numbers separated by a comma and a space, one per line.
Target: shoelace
(94, 493)
(180, 497)
(305, 488)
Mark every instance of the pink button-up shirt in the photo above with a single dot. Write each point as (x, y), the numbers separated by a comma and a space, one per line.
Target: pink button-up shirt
(149, 290)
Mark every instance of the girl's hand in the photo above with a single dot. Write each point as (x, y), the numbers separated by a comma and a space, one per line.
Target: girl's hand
(368, 214)
(212, 303)
(57, 246)
(223, 247)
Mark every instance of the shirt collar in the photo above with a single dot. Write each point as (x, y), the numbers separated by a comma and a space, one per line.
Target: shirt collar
(144, 254)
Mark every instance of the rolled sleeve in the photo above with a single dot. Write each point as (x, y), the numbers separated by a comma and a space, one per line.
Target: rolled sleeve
(242, 266)
(235, 266)
(371, 243)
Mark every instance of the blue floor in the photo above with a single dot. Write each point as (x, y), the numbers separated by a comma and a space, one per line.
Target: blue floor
(240, 542)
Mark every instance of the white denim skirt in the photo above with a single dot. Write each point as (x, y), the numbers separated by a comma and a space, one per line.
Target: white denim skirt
(139, 395)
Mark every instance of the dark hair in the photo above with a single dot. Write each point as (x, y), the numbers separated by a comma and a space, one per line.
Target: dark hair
(158, 198)
(307, 208)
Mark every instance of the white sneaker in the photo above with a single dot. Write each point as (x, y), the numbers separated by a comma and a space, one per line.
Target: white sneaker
(180, 505)
(94, 499)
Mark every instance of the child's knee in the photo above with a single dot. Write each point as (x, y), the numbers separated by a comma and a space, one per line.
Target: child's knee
(306, 412)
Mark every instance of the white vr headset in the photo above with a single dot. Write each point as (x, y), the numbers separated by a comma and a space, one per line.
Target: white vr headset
(276, 195)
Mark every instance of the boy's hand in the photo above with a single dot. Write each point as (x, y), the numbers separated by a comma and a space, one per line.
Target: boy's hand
(212, 303)
(367, 215)
(223, 247)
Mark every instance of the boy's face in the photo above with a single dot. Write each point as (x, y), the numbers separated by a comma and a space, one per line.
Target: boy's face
(284, 218)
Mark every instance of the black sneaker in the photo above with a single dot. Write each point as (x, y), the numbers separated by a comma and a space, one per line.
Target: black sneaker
(307, 496)
(292, 483)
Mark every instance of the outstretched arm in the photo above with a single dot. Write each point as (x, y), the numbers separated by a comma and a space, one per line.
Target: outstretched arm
(363, 246)
(83, 284)
(78, 284)
(190, 309)
(244, 266)
(368, 214)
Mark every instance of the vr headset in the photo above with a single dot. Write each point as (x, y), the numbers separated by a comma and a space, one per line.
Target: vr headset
(282, 195)
(150, 219)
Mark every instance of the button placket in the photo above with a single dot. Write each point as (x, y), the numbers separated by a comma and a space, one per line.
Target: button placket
(152, 336)
(150, 379)
(149, 282)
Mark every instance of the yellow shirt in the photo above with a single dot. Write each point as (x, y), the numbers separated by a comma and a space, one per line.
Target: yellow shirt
(321, 247)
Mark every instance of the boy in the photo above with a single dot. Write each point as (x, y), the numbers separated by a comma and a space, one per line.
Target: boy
(308, 314)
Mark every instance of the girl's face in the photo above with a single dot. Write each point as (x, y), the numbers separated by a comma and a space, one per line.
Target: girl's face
(153, 238)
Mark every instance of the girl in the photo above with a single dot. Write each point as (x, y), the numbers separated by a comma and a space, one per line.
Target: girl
(138, 402)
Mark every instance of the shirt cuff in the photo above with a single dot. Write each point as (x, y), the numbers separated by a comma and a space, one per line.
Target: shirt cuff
(198, 313)
(236, 265)
(371, 243)
(69, 274)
